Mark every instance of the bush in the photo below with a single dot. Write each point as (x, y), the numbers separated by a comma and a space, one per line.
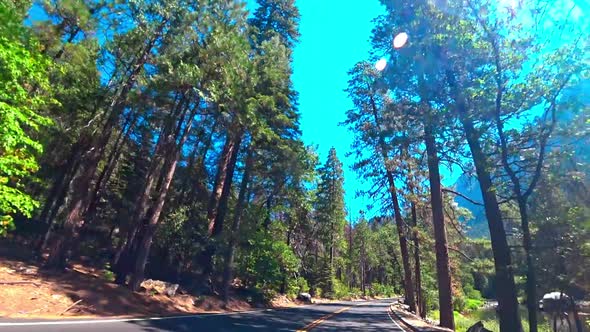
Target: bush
(459, 303)
(340, 289)
(472, 293)
(382, 290)
(472, 304)
(108, 274)
(296, 286)
(266, 262)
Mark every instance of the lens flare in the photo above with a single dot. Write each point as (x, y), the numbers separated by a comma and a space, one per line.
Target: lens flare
(381, 64)
(400, 40)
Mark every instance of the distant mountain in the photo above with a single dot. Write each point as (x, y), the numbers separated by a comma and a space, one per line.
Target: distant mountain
(478, 225)
(468, 186)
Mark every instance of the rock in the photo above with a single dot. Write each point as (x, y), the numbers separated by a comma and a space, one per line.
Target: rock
(26, 270)
(305, 297)
(478, 327)
(171, 289)
(161, 287)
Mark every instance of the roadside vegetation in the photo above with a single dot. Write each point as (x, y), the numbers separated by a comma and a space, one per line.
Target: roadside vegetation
(161, 139)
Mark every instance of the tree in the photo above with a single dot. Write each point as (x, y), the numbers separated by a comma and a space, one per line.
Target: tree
(124, 80)
(24, 92)
(522, 166)
(330, 214)
(367, 121)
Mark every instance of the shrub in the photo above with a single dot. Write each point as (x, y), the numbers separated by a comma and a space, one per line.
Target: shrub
(459, 303)
(296, 286)
(382, 290)
(472, 304)
(266, 262)
(340, 289)
(107, 273)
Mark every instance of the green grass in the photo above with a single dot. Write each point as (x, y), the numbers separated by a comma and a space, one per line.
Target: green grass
(488, 317)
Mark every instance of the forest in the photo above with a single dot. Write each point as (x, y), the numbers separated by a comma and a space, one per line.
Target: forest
(162, 138)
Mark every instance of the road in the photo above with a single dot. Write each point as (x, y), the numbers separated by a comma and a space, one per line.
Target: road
(342, 316)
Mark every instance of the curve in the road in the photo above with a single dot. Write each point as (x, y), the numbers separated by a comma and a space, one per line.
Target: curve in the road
(371, 316)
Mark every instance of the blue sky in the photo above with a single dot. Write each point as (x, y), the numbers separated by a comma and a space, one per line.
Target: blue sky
(334, 36)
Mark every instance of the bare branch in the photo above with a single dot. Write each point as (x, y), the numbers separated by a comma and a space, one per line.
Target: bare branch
(447, 190)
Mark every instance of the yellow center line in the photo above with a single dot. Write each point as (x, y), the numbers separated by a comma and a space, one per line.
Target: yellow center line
(324, 318)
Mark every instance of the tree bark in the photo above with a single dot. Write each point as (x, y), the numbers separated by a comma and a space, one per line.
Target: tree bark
(506, 290)
(146, 240)
(107, 172)
(217, 227)
(123, 260)
(399, 222)
(124, 257)
(220, 179)
(531, 278)
(443, 270)
(89, 163)
(240, 205)
(420, 305)
(168, 171)
(57, 195)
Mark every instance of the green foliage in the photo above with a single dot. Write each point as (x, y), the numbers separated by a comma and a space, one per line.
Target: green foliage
(23, 84)
(340, 290)
(378, 289)
(296, 286)
(107, 273)
(268, 262)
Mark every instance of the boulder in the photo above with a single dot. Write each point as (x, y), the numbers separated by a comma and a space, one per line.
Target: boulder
(305, 297)
(160, 287)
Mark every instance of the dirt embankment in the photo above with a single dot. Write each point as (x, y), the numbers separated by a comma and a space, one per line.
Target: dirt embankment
(27, 291)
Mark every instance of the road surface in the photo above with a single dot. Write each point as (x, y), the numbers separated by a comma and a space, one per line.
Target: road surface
(368, 316)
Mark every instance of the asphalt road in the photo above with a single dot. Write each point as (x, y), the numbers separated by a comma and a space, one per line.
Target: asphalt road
(343, 316)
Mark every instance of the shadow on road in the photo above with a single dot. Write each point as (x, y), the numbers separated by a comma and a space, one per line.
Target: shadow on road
(367, 317)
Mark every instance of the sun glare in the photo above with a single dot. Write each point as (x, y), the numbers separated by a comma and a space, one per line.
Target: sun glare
(400, 40)
(381, 64)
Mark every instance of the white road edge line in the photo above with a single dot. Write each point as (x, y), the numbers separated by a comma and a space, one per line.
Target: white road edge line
(393, 320)
(122, 320)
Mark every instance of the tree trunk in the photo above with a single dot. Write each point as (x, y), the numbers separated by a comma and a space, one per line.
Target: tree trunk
(89, 164)
(219, 199)
(506, 292)
(220, 177)
(443, 270)
(350, 254)
(168, 171)
(240, 205)
(531, 278)
(399, 222)
(266, 223)
(58, 193)
(123, 260)
(217, 228)
(146, 240)
(420, 305)
(107, 172)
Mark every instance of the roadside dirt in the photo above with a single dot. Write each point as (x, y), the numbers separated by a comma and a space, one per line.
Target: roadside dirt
(29, 292)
